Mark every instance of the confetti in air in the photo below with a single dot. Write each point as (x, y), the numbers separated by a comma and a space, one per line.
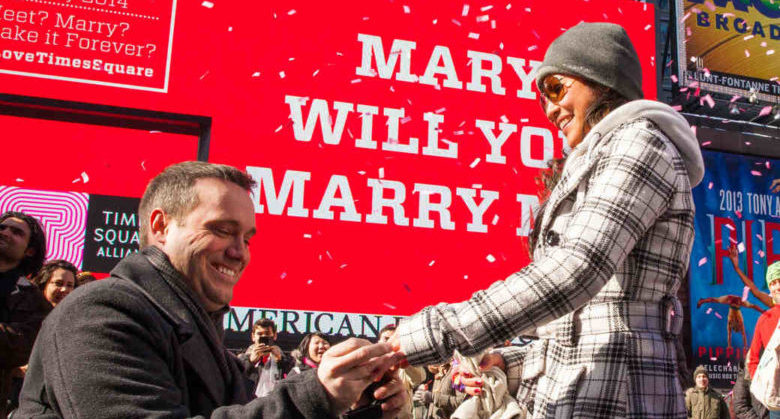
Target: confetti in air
(207, 4)
(390, 306)
(702, 261)
(745, 292)
(475, 163)
(718, 315)
(709, 310)
(490, 258)
(84, 177)
(741, 247)
(431, 263)
(306, 235)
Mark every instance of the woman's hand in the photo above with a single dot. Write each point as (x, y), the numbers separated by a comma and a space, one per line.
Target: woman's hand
(733, 255)
(467, 383)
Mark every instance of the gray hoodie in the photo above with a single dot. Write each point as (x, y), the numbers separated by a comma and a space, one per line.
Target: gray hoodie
(668, 120)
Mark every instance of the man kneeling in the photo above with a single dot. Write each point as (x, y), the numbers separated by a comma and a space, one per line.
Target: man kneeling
(148, 340)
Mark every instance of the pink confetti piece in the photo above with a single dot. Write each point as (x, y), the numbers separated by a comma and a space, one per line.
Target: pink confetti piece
(765, 111)
(768, 165)
(693, 128)
(207, 4)
(283, 275)
(747, 53)
(532, 47)
(702, 261)
(745, 292)
(709, 310)
(709, 5)
(390, 306)
(677, 108)
(761, 253)
(713, 358)
(718, 315)
(706, 143)
(685, 17)
(674, 78)
(490, 258)
(306, 235)
(730, 227)
(143, 165)
(710, 185)
(756, 173)
(760, 238)
(710, 102)
(739, 214)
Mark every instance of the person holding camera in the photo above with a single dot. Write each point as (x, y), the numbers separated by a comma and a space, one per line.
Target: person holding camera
(264, 362)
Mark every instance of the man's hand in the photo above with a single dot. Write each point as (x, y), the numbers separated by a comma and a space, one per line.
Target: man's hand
(348, 368)
(393, 393)
(257, 351)
(422, 395)
(276, 352)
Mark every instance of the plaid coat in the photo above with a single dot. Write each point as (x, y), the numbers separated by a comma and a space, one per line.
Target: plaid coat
(614, 244)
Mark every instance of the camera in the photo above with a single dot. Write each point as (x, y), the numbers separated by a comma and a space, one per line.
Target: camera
(266, 340)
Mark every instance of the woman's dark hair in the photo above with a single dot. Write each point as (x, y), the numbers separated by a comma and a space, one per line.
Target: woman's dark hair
(303, 347)
(45, 273)
(30, 264)
(606, 101)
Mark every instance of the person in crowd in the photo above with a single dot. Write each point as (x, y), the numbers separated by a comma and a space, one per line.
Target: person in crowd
(611, 245)
(765, 298)
(309, 353)
(56, 279)
(147, 341)
(85, 277)
(22, 306)
(745, 404)
(441, 398)
(264, 362)
(767, 323)
(411, 376)
(701, 401)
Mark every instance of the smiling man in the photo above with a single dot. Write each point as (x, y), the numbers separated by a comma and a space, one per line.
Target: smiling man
(148, 340)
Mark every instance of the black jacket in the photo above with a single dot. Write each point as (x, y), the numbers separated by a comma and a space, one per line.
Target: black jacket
(131, 346)
(251, 371)
(745, 405)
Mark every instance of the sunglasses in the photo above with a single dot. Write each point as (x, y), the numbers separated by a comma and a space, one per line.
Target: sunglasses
(554, 88)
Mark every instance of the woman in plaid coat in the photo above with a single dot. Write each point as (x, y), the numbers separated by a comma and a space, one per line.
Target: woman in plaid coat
(614, 242)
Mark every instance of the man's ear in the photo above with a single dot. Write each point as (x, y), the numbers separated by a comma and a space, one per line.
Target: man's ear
(30, 252)
(158, 225)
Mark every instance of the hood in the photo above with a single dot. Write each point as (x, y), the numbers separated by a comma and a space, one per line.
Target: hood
(674, 125)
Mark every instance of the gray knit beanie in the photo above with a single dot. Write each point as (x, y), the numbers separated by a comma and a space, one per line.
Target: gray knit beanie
(700, 370)
(599, 52)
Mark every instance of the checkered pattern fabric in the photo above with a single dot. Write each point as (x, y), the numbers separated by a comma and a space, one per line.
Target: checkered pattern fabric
(615, 241)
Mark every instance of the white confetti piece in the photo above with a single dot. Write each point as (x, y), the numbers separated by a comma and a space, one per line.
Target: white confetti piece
(475, 163)
(765, 111)
(770, 52)
(465, 277)
(483, 18)
(710, 185)
(745, 292)
(143, 165)
(648, 26)
(431, 263)
(281, 74)
(407, 10)
(381, 173)
(306, 235)
(343, 265)
(279, 128)
(747, 53)
(702, 261)
(256, 74)
(473, 35)
(761, 254)
(77, 180)
(309, 282)
(84, 177)
(390, 306)
(532, 47)
(283, 275)
(465, 10)
(741, 247)
(485, 8)
(455, 22)
(708, 99)
(490, 258)
(730, 227)
(207, 4)
(317, 71)
(291, 12)
(495, 219)
(19, 179)
(353, 81)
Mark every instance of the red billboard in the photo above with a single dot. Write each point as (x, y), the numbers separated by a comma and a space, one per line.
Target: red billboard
(395, 143)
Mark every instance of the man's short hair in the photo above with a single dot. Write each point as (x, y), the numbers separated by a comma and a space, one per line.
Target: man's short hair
(30, 264)
(265, 323)
(45, 273)
(391, 327)
(172, 189)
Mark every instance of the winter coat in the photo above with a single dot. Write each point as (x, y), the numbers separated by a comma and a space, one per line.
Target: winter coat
(705, 404)
(745, 405)
(20, 321)
(136, 345)
(252, 371)
(445, 398)
(614, 245)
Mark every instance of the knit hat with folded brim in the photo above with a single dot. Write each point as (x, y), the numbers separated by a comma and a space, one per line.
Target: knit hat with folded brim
(700, 370)
(599, 52)
(772, 273)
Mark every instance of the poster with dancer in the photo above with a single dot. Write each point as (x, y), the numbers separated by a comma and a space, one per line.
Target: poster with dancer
(737, 231)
